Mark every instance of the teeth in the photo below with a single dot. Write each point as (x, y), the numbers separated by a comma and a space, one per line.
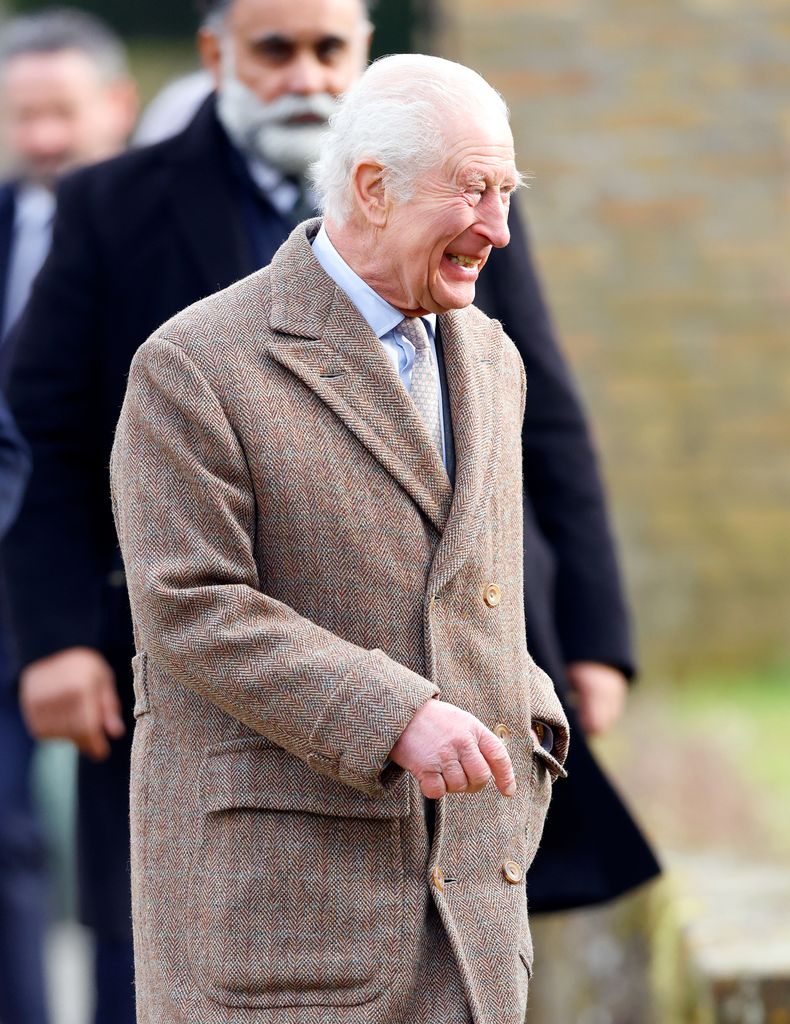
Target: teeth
(463, 261)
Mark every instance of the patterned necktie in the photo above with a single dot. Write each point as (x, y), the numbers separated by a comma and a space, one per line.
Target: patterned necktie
(424, 377)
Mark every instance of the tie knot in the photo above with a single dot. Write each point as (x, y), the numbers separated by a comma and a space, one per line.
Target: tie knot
(413, 328)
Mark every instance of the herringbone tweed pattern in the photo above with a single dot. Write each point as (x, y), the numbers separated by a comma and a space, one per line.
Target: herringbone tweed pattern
(302, 579)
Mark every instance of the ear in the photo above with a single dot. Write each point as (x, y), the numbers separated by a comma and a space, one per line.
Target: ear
(210, 51)
(368, 43)
(125, 101)
(370, 192)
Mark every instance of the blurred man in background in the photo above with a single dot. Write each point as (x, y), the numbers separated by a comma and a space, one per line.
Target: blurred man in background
(141, 237)
(65, 99)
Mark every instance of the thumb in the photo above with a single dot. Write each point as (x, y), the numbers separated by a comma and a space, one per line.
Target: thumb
(498, 759)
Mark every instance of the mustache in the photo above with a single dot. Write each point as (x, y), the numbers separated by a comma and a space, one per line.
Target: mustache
(289, 109)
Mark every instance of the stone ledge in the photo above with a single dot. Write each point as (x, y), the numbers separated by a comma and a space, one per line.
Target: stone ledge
(735, 921)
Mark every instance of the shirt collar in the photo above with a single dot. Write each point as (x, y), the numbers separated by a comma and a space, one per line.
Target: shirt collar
(379, 314)
(34, 206)
(282, 193)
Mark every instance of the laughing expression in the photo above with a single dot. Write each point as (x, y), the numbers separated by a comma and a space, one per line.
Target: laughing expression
(436, 243)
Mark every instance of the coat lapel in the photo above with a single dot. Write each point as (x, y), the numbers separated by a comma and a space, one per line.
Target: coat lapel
(327, 344)
(7, 205)
(203, 203)
(472, 355)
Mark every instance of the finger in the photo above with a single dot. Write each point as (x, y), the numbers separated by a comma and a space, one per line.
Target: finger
(455, 777)
(432, 785)
(111, 717)
(38, 725)
(495, 753)
(93, 745)
(35, 716)
(87, 727)
(476, 768)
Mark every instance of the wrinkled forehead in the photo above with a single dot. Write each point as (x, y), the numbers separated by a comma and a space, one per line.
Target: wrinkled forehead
(479, 139)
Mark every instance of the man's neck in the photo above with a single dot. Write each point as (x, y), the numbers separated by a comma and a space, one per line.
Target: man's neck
(361, 250)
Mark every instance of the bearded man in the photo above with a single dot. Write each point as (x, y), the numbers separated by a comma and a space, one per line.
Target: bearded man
(344, 753)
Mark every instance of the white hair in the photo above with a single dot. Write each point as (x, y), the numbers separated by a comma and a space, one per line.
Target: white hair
(396, 115)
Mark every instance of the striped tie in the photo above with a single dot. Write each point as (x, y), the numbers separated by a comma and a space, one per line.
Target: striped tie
(424, 377)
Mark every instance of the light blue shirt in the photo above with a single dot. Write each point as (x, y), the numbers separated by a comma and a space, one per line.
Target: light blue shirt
(34, 210)
(382, 318)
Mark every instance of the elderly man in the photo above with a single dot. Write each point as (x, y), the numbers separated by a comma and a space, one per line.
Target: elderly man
(140, 237)
(317, 486)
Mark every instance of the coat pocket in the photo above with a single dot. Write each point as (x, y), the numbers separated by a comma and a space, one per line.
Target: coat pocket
(296, 884)
(553, 766)
(541, 780)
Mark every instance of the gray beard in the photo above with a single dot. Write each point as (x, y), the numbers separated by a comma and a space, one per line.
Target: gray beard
(263, 130)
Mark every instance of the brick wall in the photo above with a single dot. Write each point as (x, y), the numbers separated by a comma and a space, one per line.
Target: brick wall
(658, 135)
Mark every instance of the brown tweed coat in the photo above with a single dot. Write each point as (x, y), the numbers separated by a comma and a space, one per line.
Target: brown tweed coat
(303, 578)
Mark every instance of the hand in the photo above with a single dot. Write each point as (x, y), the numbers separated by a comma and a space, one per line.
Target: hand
(599, 692)
(71, 695)
(449, 751)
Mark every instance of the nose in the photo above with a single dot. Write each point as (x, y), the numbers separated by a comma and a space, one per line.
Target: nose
(48, 137)
(307, 75)
(493, 220)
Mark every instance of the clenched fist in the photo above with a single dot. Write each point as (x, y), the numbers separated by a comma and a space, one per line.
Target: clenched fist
(449, 751)
(71, 695)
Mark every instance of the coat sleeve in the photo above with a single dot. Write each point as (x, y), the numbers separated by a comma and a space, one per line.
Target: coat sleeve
(53, 554)
(562, 477)
(186, 518)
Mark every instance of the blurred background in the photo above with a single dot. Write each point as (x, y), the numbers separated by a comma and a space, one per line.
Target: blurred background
(657, 139)
(657, 135)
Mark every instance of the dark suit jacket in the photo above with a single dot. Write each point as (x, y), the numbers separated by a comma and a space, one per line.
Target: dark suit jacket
(139, 238)
(14, 454)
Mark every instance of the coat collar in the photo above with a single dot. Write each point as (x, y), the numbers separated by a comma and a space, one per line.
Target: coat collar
(203, 202)
(325, 342)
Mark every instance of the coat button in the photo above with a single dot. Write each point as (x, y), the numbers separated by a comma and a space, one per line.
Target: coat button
(540, 731)
(437, 878)
(512, 872)
(492, 595)
(503, 733)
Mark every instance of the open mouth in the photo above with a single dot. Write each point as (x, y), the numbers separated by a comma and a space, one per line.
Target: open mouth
(467, 262)
(301, 119)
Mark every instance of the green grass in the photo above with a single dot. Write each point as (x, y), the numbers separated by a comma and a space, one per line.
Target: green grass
(751, 713)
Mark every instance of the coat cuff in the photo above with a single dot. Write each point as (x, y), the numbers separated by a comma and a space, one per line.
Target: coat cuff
(380, 697)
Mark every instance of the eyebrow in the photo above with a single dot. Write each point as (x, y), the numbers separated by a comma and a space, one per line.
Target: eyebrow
(474, 177)
(276, 39)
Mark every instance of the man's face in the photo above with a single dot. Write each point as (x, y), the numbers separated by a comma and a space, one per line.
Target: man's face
(297, 47)
(279, 66)
(58, 113)
(434, 245)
